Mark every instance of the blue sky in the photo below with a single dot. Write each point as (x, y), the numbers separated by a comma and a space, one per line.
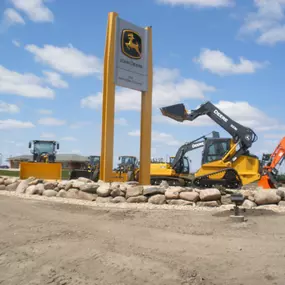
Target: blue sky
(51, 53)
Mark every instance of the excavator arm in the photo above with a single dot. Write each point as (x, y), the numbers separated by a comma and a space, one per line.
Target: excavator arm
(270, 171)
(189, 146)
(243, 137)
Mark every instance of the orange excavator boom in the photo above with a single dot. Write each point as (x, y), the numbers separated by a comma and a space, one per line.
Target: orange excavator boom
(270, 171)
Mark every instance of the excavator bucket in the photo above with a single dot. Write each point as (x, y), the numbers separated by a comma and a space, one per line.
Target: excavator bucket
(266, 183)
(39, 170)
(176, 112)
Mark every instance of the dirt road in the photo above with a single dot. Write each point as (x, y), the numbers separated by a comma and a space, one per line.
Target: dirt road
(42, 242)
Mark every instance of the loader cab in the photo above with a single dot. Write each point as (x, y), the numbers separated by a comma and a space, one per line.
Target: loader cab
(94, 160)
(215, 149)
(42, 149)
(127, 162)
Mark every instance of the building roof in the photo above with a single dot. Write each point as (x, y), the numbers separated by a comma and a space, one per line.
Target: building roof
(59, 158)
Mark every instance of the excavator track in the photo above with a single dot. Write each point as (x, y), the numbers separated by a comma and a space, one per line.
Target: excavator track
(231, 179)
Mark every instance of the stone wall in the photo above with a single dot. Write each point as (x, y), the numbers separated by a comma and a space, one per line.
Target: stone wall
(131, 192)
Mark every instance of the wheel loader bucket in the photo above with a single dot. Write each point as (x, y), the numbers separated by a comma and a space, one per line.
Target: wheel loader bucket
(176, 112)
(266, 183)
(39, 170)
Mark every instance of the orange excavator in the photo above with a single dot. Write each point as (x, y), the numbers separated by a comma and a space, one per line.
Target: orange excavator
(270, 164)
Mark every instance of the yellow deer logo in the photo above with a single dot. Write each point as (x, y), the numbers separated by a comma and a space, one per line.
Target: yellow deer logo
(131, 45)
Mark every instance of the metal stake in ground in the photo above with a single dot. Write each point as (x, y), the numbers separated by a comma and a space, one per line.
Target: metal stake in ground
(238, 200)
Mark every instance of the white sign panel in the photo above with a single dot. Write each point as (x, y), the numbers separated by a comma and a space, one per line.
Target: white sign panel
(131, 64)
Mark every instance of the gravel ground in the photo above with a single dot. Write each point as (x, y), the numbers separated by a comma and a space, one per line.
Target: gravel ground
(65, 241)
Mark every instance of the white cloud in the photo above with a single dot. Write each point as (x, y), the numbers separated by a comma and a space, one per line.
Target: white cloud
(121, 122)
(67, 60)
(76, 151)
(161, 137)
(27, 84)
(274, 136)
(45, 111)
(16, 43)
(47, 136)
(78, 125)
(12, 17)
(14, 124)
(55, 80)
(51, 122)
(198, 3)
(267, 22)
(169, 88)
(242, 112)
(35, 10)
(8, 108)
(217, 62)
(68, 139)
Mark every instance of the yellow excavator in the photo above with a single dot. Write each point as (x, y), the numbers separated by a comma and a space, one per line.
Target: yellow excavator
(43, 164)
(225, 161)
(177, 171)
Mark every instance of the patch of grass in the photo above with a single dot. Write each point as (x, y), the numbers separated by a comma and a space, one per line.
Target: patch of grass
(16, 173)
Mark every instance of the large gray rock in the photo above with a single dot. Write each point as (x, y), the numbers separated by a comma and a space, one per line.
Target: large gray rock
(84, 179)
(68, 185)
(31, 190)
(104, 199)
(49, 193)
(89, 188)
(117, 192)
(34, 182)
(134, 191)
(62, 193)
(62, 184)
(208, 204)
(173, 192)
(153, 190)
(210, 194)
(77, 184)
(180, 202)
(24, 184)
(281, 193)
(11, 180)
(86, 196)
(265, 197)
(13, 186)
(1, 181)
(226, 199)
(164, 184)
(72, 193)
(118, 199)
(137, 199)
(40, 188)
(50, 185)
(247, 204)
(189, 196)
(2, 187)
(248, 194)
(104, 190)
(158, 199)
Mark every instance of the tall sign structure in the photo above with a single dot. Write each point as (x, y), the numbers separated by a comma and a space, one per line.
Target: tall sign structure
(127, 63)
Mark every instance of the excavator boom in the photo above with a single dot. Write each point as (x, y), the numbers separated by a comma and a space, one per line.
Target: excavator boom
(270, 171)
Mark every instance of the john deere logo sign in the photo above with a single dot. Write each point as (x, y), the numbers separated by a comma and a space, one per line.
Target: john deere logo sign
(131, 44)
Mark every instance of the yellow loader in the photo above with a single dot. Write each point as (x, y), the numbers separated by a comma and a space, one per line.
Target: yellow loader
(43, 165)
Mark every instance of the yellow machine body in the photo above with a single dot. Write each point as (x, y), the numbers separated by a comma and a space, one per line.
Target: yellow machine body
(248, 167)
(41, 170)
(161, 169)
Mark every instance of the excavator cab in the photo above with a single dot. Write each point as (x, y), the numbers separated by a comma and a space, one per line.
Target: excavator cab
(43, 165)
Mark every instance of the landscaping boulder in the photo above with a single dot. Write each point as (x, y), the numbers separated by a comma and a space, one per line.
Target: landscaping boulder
(158, 199)
(86, 196)
(118, 199)
(173, 192)
(265, 197)
(40, 189)
(247, 204)
(50, 185)
(104, 190)
(49, 193)
(13, 186)
(210, 194)
(137, 199)
(152, 190)
(89, 188)
(31, 190)
(2, 187)
(189, 196)
(134, 191)
(62, 193)
(117, 192)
